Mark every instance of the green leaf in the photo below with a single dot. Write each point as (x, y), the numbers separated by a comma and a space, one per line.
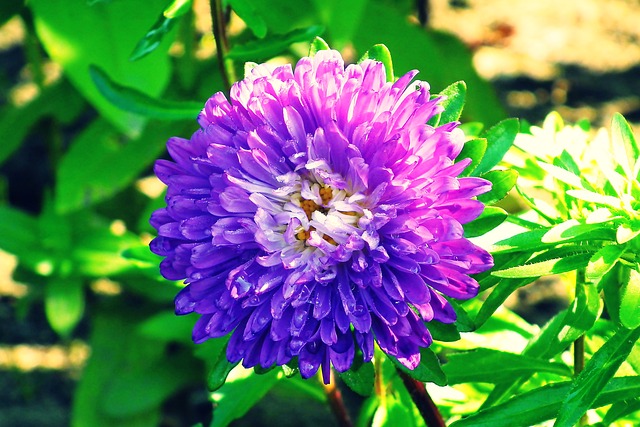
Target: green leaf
(83, 179)
(153, 38)
(59, 100)
(503, 290)
(562, 175)
(219, 371)
(543, 404)
(97, 251)
(493, 366)
(598, 199)
(360, 378)
(240, 393)
(570, 230)
(429, 369)
(317, 45)
(547, 267)
(272, 45)
(603, 260)
(532, 240)
(134, 101)
(630, 301)
(597, 374)
(453, 103)
(341, 18)
(490, 218)
(64, 304)
(502, 180)
(499, 139)
(622, 139)
(380, 53)
(76, 34)
(621, 409)
(178, 8)
(247, 12)
(473, 149)
(625, 233)
(166, 326)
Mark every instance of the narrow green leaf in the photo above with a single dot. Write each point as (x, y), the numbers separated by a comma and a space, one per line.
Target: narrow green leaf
(429, 369)
(625, 233)
(562, 175)
(380, 53)
(621, 409)
(360, 378)
(603, 261)
(151, 41)
(129, 99)
(317, 45)
(64, 304)
(503, 290)
(453, 103)
(240, 393)
(625, 147)
(247, 12)
(219, 371)
(532, 240)
(502, 180)
(544, 268)
(493, 366)
(543, 403)
(597, 374)
(177, 8)
(490, 218)
(630, 301)
(499, 139)
(570, 230)
(272, 45)
(598, 199)
(473, 149)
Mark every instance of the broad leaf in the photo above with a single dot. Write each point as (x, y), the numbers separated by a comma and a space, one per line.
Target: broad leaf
(502, 180)
(360, 378)
(473, 149)
(603, 260)
(453, 103)
(429, 369)
(248, 13)
(499, 139)
(490, 218)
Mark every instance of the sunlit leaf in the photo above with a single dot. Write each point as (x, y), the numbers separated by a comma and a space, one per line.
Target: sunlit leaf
(603, 261)
(599, 199)
(490, 218)
(630, 301)
(502, 182)
(177, 8)
(596, 376)
(380, 53)
(499, 139)
(429, 369)
(473, 149)
(547, 267)
(543, 403)
(453, 103)
(625, 147)
(570, 230)
(561, 174)
(317, 45)
(625, 233)
(360, 378)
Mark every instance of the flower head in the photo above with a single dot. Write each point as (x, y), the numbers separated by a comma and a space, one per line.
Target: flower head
(315, 213)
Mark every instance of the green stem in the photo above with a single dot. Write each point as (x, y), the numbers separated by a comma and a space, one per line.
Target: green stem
(578, 344)
(222, 43)
(32, 49)
(334, 397)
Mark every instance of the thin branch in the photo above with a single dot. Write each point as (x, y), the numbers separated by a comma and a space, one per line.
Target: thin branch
(334, 397)
(423, 12)
(422, 400)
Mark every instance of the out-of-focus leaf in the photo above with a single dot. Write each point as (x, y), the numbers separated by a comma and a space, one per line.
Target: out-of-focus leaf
(76, 34)
(547, 267)
(359, 378)
(543, 403)
(502, 180)
(499, 139)
(341, 18)
(240, 393)
(442, 58)
(98, 252)
(429, 369)
(597, 374)
(166, 326)
(250, 16)
(392, 412)
(59, 100)
(499, 295)
(64, 303)
(603, 261)
(621, 409)
(381, 53)
(82, 176)
(177, 8)
(490, 218)
(598, 199)
(132, 100)
(562, 175)
(630, 301)
(8, 9)
(473, 149)
(271, 45)
(493, 366)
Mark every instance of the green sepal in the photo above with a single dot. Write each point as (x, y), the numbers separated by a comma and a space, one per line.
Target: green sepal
(380, 53)
(317, 45)
(219, 371)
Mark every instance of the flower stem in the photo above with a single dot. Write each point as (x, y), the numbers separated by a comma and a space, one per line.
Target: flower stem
(578, 344)
(427, 408)
(334, 397)
(222, 43)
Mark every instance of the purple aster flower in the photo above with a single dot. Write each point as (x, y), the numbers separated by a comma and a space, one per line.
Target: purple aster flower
(316, 213)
